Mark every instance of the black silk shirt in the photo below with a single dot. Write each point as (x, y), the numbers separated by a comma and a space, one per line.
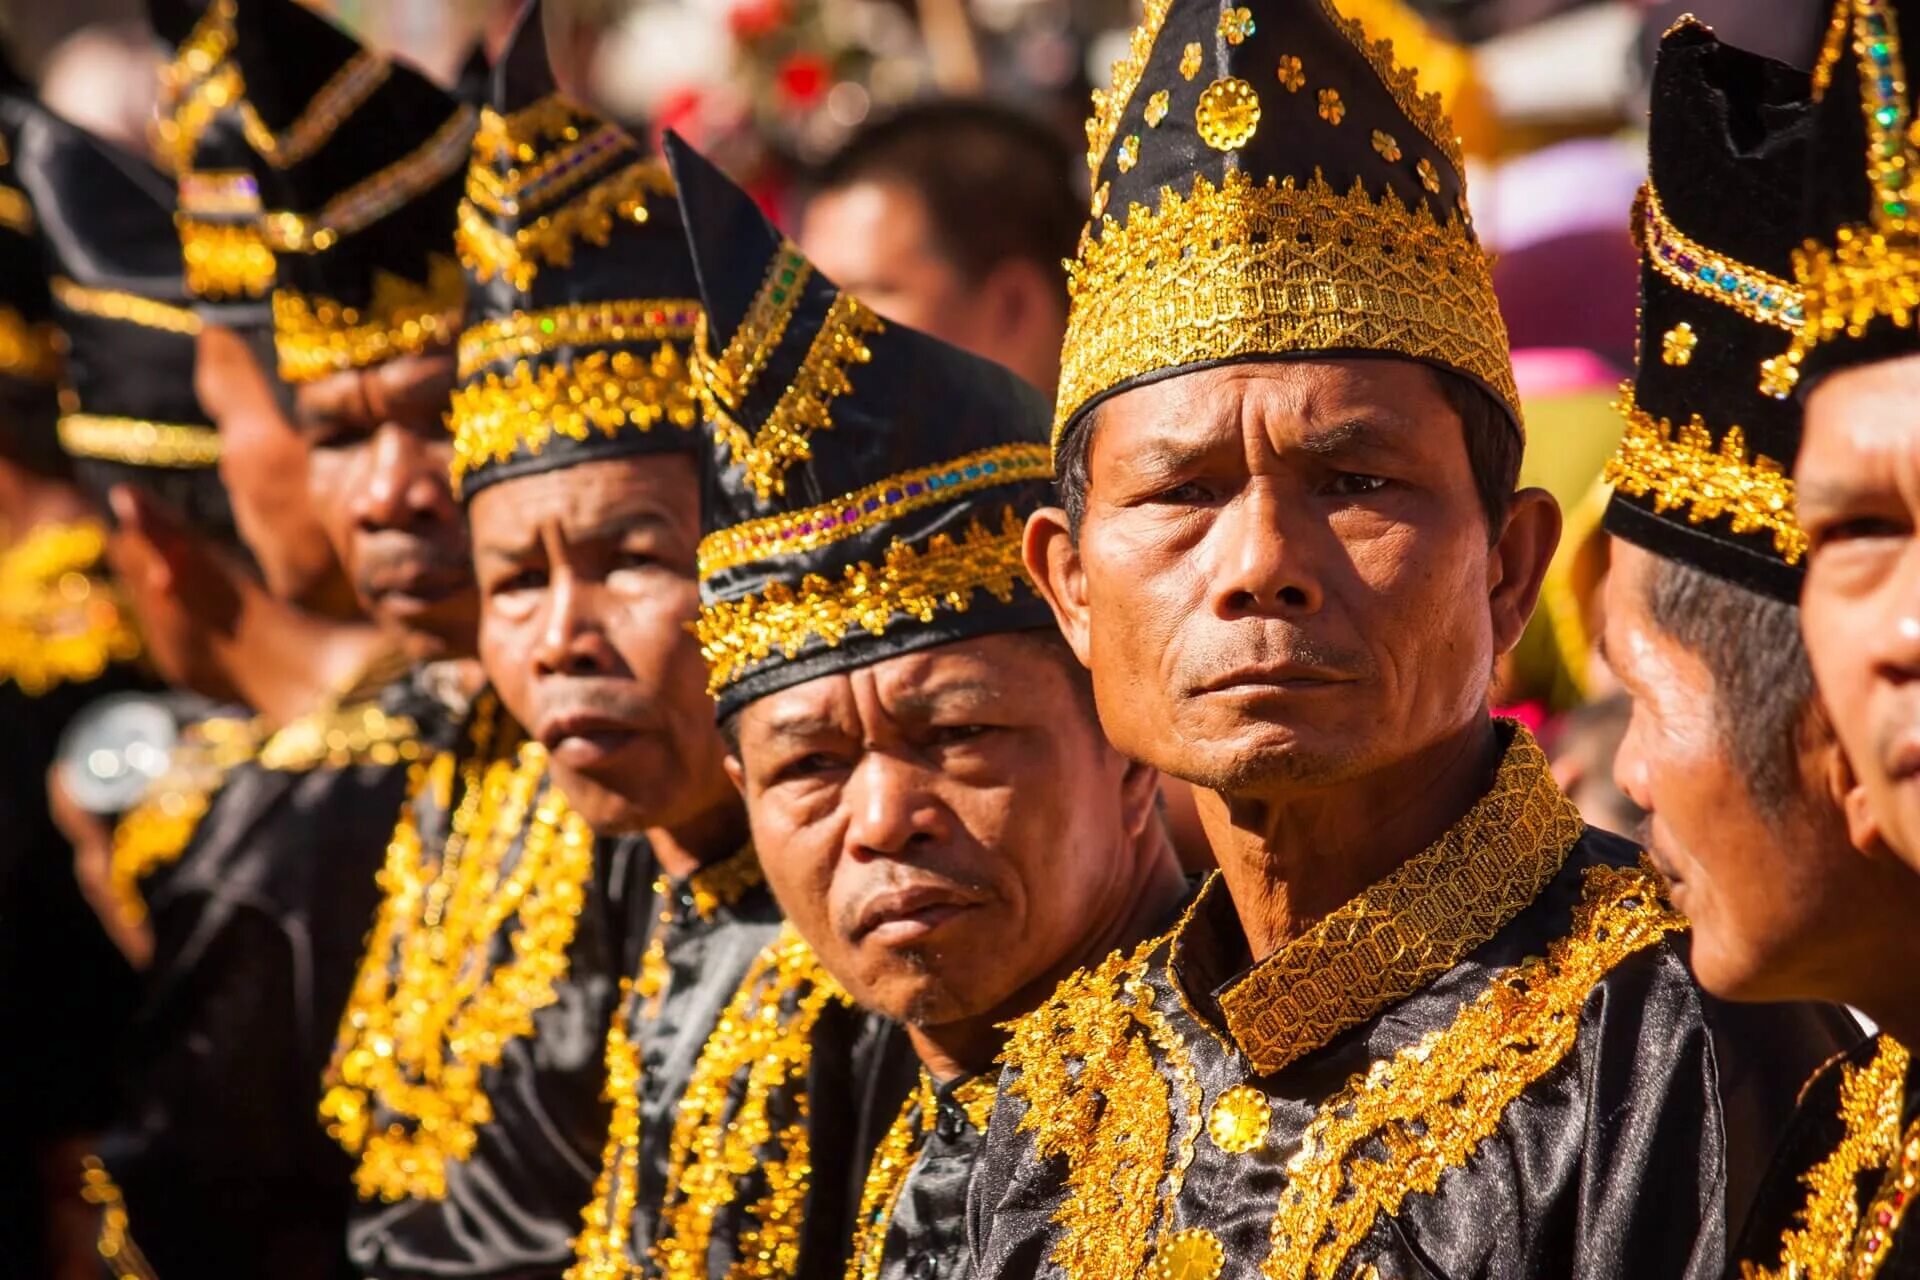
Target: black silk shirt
(1494, 1062)
(256, 932)
(1836, 1198)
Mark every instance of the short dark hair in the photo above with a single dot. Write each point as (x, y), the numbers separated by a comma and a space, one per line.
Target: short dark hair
(1493, 451)
(1763, 685)
(997, 184)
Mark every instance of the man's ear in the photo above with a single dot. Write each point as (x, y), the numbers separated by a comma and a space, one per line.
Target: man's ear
(1140, 797)
(736, 772)
(1053, 561)
(1519, 563)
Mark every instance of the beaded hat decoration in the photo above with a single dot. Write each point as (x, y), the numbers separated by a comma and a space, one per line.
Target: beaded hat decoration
(1859, 268)
(128, 409)
(29, 342)
(869, 484)
(582, 291)
(360, 161)
(1702, 474)
(200, 137)
(1268, 182)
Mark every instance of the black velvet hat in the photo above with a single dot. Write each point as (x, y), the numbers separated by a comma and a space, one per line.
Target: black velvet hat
(360, 161)
(128, 409)
(1702, 474)
(1269, 182)
(870, 483)
(582, 294)
(202, 139)
(29, 341)
(1859, 267)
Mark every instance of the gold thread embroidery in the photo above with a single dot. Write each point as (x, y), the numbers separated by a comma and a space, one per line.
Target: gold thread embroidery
(114, 1242)
(155, 832)
(601, 1251)
(432, 1009)
(1421, 920)
(225, 260)
(1888, 1208)
(336, 737)
(736, 634)
(604, 392)
(1426, 110)
(894, 1161)
(378, 194)
(178, 130)
(515, 138)
(518, 256)
(826, 523)
(344, 93)
(730, 375)
(129, 308)
(805, 407)
(1110, 104)
(548, 180)
(725, 1128)
(1862, 277)
(138, 442)
(62, 620)
(1395, 1131)
(1679, 465)
(314, 336)
(1246, 269)
(1753, 293)
(1820, 1244)
(526, 334)
(29, 351)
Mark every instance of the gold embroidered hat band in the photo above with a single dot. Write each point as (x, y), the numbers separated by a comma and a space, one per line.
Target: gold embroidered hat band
(1269, 182)
(1702, 472)
(1859, 264)
(358, 162)
(870, 483)
(584, 302)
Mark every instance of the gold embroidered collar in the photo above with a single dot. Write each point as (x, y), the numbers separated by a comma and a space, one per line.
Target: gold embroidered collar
(1412, 926)
(896, 1156)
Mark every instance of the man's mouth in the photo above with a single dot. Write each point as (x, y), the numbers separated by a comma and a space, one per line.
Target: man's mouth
(909, 914)
(584, 740)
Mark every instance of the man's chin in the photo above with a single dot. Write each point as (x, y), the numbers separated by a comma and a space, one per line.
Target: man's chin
(608, 811)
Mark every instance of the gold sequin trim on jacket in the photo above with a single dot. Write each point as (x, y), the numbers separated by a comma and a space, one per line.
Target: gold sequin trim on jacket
(62, 620)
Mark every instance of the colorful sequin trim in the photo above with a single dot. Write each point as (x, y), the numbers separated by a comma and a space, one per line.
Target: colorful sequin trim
(374, 197)
(219, 194)
(523, 190)
(1755, 294)
(526, 334)
(917, 583)
(344, 93)
(129, 308)
(318, 336)
(1680, 466)
(796, 531)
(1110, 104)
(730, 375)
(138, 442)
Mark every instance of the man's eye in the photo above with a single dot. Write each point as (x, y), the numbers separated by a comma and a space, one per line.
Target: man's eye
(524, 580)
(948, 734)
(813, 765)
(1186, 493)
(1859, 529)
(1350, 484)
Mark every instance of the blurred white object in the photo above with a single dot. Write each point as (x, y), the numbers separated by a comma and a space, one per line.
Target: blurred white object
(1576, 66)
(104, 78)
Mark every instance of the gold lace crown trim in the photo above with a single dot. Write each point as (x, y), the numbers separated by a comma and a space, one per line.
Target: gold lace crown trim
(526, 335)
(1417, 923)
(1247, 269)
(128, 308)
(1679, 465)
(138, 442)
(911, 583)
(29, 350)
(314, 337)
(532, 407)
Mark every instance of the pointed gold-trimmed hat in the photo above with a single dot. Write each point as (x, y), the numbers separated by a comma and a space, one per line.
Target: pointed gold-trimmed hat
(1860, 265)
(360, 162)
(1269, 182)
(583, 294)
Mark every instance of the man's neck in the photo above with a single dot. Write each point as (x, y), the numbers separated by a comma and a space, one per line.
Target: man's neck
(1289, 860)
(711, 836)
(1144, 898)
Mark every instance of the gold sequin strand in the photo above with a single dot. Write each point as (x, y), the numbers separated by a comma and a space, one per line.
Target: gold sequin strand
(114, 1241)
(730, 374)
(1396, 1131)
(1300, 266)
(759, 1050)
(549, 240)
(1681, 466)
(735, 634)
(155, 832)
(61, 619)
(1820, 1244)
(1110, 104)
(1888, 1209)
(418, 1037)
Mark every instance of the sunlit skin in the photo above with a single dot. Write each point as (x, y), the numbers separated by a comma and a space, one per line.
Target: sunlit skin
(876, 241)
(1288, 594)
(952, 834)
(180, 586)
(378, 477)
(1782, 906)
(587, 586)
(263, 463)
